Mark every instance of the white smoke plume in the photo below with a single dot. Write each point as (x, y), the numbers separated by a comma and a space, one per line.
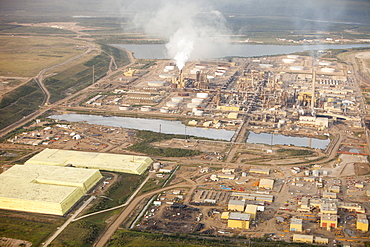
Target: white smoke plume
(191, 28)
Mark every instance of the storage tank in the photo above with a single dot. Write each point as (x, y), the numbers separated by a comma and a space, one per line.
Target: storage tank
(296, 68)
(197, 100)
(202, 95)
(164, 110)
(145, 108)
(327, 70)
(155, 83)
(324, 63)
(288, 60)
(170, 67)
(124, 107)
(177, 99)
(265, 65)
(192, 105)
(198, 113)
(171, 104)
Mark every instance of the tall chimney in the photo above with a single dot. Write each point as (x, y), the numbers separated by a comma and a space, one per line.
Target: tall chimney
(313, 91)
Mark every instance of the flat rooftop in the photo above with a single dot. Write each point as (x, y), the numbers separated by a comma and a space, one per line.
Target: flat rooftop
(45, 189)
(92, 160)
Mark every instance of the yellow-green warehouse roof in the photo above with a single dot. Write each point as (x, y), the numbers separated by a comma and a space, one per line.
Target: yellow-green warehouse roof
(45, 189)
(102, 161)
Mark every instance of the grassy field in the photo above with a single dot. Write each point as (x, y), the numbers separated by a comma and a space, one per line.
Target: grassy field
(34, 228)
(133, 239)
(28, 55)
(20, 102)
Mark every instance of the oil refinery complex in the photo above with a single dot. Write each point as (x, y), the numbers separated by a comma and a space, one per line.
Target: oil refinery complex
(294, 191)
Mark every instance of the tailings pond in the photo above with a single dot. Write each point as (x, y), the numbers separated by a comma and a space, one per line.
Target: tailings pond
(176, 127)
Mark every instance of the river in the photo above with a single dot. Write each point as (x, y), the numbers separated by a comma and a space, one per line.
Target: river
(158, 51)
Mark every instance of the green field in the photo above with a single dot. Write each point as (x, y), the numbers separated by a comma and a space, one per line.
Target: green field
(144, 239)
(34, 228)
(27, 55)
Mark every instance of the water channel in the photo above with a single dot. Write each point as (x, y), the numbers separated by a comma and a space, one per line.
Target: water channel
(158, 51)
(176, 127)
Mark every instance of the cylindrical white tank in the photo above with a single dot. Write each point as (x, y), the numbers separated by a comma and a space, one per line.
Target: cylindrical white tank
(156, 166)
(170, 67)
(155, 83)
(197, 100)
(327, 70)
(200, 66)
(171, 104)
(164, 110)
(145, 108)
(324, 63)
(296, 68)
(202, 95)
(288, 60)
(192, 105)
(264, 65)
(198, 113)
(124, 107)
(177, 99)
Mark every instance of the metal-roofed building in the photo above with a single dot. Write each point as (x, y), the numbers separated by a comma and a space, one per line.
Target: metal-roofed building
(45, 189)
(239, 220)
(92, 160)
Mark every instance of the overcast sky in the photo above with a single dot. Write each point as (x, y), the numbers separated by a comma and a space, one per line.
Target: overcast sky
(330, 10)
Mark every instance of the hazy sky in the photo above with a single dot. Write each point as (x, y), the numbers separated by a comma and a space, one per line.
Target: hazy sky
(333, 10)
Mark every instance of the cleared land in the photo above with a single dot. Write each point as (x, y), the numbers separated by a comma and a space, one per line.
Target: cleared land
(28, 55)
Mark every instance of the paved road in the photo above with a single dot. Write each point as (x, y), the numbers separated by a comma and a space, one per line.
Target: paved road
(60, 229)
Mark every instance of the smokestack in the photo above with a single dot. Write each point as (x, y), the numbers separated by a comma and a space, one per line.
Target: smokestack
(181, 80)
(313, 91)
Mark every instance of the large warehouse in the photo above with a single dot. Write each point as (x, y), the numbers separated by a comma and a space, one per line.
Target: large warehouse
(102, 161)
(45, 189)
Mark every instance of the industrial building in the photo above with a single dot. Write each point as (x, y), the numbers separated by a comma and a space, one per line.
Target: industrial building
(92, 160)
(264, 171)
(266, 183)
(296, 225)
(252, 210)
(329, 221)
(239, 220)
(236, 205)
(45, 189)
(300, 238)
(362, 223)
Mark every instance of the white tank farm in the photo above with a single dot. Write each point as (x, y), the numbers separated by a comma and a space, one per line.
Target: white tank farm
(192, 105)
(166, 76)
(171, 104)
(202, 95)
(124, 107)
(197, 100)
(327, 70)
(155, 83)
(296, 68)
(164, 110)
(288, 60)
(177, 99)
(145, 108)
